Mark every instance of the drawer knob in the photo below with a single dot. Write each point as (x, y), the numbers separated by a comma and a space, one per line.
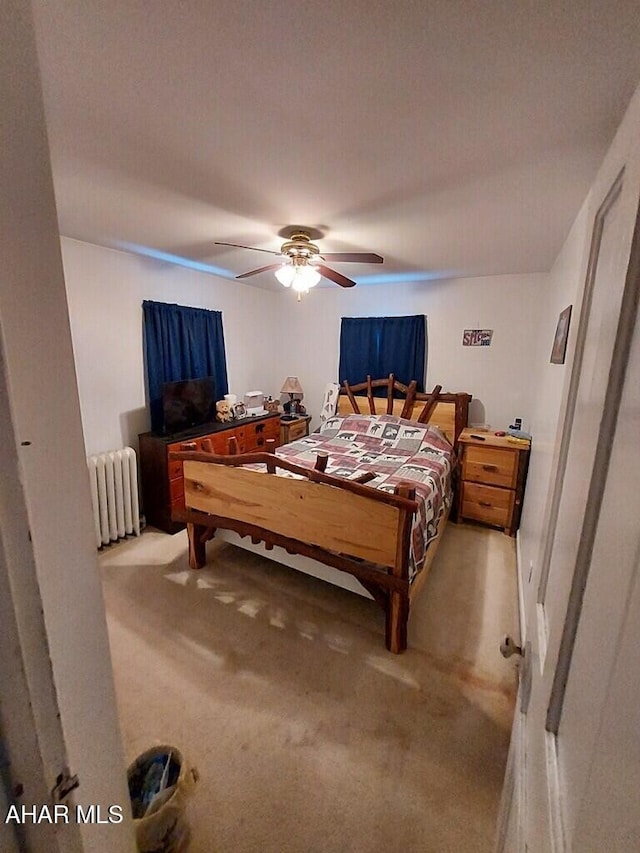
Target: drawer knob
(485, 503)
(489, 467)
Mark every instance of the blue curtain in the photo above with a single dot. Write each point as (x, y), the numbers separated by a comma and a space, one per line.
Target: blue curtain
(181, 343)
(379, 346)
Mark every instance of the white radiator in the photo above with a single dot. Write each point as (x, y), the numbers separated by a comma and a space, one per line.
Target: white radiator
(114, 494)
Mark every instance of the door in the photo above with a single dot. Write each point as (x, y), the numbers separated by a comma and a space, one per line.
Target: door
(58, 717)
(572, 784)
(32, 747)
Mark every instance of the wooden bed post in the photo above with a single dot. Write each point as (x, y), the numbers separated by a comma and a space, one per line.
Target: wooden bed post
(392, 380)
(372, 405)
(409, 400)
(321, 461)
(198, 535)
(430, 405)
(397, 616)
(397, 609)
(351, 397)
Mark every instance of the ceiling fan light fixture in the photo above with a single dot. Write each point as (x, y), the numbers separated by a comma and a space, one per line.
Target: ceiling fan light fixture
(306, 277)
(299, 275)
(286, 274)
(303, 266)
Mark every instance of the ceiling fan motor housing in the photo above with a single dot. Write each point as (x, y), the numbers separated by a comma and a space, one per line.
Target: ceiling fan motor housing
(300, 246)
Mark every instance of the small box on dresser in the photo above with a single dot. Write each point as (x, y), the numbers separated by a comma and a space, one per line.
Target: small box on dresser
(492, 480)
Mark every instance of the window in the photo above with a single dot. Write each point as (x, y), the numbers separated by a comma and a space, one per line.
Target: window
(378, 346)
(181, 343)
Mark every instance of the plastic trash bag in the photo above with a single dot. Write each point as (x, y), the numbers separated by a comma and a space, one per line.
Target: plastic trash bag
(159, 785)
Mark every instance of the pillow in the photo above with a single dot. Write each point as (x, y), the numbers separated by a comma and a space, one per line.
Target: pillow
(392, 430)
(329, 402)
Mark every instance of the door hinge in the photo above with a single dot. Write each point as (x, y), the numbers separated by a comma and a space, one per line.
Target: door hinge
(65, 784)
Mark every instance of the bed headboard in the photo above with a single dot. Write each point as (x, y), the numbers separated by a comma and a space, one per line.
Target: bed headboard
(447, 411)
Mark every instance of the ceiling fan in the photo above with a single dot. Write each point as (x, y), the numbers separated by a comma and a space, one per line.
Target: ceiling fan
(303, 263)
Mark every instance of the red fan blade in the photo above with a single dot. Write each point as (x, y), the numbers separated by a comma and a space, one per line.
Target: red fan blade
(333, 275)
(253, 248)
(262, 269)
(352, 257)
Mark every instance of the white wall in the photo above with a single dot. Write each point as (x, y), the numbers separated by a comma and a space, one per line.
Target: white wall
(547, 384)
(269, 335)
(498, 377)
(105, 291)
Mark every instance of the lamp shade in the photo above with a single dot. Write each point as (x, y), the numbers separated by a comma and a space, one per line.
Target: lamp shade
(291, 386)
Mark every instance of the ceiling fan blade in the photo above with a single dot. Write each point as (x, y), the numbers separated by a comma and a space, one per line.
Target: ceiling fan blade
(261, 269)
(353, 257)
(253, 248)
(333, 275)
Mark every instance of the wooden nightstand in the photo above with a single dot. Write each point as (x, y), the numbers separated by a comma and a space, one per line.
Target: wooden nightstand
(292, 430)
(494, 472)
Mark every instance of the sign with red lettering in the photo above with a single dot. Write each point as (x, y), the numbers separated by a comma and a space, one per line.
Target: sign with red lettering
(477, 337)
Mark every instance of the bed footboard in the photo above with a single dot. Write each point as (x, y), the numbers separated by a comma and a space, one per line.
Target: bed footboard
(340, 523)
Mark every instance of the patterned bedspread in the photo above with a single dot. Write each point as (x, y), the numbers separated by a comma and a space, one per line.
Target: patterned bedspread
(396, 450)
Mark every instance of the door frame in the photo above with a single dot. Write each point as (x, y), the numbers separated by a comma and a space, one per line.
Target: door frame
(33, 744)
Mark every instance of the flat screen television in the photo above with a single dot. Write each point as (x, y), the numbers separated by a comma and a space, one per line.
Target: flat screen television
(188, 404)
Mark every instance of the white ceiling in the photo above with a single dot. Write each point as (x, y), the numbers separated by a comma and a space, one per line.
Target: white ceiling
(450, 136)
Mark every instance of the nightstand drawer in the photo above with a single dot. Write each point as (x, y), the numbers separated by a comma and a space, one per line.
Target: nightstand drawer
(490, 465)
(297, 430)
(487, 504)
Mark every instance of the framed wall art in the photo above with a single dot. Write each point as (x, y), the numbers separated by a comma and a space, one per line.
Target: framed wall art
(477, 337)
(560, 339)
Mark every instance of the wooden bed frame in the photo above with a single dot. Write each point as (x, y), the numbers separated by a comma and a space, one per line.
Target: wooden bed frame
(340, 523)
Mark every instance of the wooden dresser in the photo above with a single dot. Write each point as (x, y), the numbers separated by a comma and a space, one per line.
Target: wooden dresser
(493, 477)
(162, 483)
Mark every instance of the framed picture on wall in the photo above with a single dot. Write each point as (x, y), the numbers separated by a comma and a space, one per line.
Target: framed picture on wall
(560, 340)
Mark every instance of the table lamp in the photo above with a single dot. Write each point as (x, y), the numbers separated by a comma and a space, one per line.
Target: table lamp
(291, 386)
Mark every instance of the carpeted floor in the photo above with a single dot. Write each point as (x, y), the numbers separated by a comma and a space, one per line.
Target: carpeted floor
(308, 735)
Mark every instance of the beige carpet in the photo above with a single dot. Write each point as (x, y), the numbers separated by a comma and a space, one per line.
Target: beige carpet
(308, 735)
